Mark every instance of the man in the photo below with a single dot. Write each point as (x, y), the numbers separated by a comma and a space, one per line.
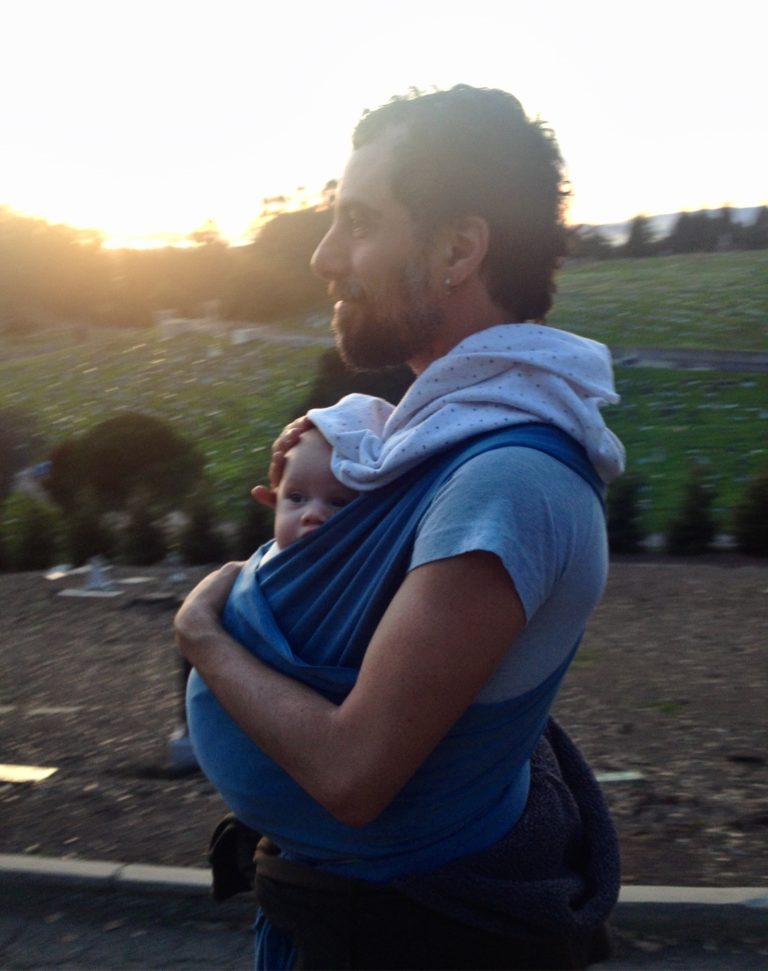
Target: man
(446, 235)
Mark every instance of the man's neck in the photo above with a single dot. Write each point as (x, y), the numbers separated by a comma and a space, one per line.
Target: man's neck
(466, 313)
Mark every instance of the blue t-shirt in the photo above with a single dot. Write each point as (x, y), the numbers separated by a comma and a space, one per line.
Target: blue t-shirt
(546, 525)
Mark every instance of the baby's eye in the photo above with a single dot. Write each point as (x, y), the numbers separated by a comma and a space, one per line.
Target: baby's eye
(296, 497)
(340, 502)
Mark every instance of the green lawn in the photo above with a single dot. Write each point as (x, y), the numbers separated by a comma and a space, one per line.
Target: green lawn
(707, 300)
(231, 399)
(674, 421)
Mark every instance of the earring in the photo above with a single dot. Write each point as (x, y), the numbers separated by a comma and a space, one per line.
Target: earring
(448, 284)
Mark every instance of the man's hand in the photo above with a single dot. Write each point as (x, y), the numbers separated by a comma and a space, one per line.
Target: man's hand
(197, 620)
(282, 444)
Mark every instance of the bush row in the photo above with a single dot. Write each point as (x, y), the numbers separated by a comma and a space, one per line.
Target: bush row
(35, 533)
(133, 490)
(693, 527)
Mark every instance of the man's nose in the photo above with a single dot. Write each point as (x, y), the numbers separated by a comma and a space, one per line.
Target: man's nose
(329, 260)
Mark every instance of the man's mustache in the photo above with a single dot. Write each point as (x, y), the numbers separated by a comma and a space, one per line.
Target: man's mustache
(348, 290)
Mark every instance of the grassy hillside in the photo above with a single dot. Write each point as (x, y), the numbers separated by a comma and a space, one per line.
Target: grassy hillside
(231, 399)
(674, 421)
(702, 300)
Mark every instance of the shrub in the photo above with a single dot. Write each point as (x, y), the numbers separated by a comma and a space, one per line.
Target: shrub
(199, 540)
(750, 518)
(142, 541)
(4, 565)
(256, 528)
(692, 529)
(86, 532)
(124, 456)
(31, 533)
(19, 442)
(625, 532)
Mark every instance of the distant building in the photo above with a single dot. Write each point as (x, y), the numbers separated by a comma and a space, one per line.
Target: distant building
(208, 321)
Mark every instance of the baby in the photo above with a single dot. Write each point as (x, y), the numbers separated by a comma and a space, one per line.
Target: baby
(308, 493)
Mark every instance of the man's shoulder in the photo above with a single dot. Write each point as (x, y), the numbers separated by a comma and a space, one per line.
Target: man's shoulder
(524, 506)
(514, 484)
(519, 444)
(508, 464)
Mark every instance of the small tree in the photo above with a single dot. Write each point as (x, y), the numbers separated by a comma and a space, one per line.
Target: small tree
(750, 518)
(588, 242)
(692, 529)
(755, 236)
(4, 565)
(86, 533)
(123, 457)
(625, 532)
(641, 241)
(19, 441)
(142, 541)
(256, 528)
(199, 540)
(32, 533)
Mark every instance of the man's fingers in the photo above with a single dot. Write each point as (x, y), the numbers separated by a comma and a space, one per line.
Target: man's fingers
(276, 466)
(283, 444)
(209, 595)
(291, 434)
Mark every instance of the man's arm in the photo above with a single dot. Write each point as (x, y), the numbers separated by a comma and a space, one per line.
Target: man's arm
(446, 630)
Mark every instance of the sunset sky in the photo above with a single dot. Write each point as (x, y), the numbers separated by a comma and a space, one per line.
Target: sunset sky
(152, 116)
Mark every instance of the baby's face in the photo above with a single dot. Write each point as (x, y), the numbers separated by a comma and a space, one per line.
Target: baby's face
(308, 493)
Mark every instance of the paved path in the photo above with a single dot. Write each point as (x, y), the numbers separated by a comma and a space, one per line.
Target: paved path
(105, 916)
(685, 358)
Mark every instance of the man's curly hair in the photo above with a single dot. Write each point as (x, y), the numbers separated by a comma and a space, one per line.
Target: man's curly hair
(473, 151)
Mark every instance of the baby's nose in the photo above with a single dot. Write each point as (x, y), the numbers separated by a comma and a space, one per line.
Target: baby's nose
(314, 514)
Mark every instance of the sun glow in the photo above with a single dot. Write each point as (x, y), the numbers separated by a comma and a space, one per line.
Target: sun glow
(146, 120)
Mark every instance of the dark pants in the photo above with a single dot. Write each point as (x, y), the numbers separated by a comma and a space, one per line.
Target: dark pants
(336, 923)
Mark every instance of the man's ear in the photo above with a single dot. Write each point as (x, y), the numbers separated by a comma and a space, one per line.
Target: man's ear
(265, 496)
(466, 246)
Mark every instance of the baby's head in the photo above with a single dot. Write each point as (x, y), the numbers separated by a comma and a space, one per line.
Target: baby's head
(308, 493)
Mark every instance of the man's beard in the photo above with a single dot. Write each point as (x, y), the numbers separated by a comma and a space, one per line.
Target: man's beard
(378, 330)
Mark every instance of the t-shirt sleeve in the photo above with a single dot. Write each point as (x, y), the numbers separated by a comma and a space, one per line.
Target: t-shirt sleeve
(518, 503)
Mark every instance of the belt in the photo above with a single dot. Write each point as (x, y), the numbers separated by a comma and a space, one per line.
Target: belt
(270, 864)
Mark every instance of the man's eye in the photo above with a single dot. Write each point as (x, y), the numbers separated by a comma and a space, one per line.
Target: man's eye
(358, 225)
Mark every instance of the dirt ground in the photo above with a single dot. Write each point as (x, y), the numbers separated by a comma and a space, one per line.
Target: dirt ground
(669, 685)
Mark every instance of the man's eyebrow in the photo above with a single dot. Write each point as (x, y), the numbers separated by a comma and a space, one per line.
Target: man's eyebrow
(346, 205)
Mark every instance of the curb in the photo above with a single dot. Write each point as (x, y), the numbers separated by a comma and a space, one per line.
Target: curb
(694, 913)
(135, 877)
(712, 909)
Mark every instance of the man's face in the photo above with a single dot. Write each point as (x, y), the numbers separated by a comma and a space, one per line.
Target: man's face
(308, 493)
(379, 267)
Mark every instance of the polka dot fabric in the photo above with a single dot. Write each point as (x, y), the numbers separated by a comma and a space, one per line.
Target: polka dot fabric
(506, 375)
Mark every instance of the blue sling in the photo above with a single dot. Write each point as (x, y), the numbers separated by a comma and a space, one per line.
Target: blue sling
(329, 591)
